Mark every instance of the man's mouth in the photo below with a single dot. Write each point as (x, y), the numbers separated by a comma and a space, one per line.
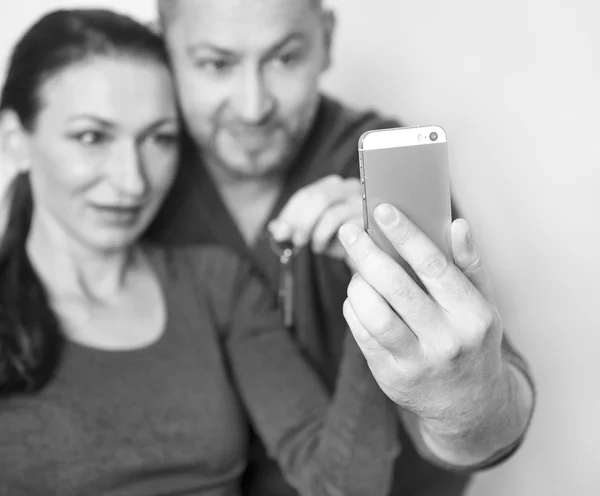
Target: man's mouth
(253, 137)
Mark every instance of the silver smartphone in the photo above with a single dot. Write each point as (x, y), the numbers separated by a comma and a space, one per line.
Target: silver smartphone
(408, 168)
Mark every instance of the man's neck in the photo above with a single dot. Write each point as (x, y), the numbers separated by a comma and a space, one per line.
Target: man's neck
(249, 201)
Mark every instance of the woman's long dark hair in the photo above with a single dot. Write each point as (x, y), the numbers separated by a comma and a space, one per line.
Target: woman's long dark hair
(30, 337)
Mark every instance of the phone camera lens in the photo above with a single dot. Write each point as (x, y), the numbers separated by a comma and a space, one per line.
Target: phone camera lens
(433, 136)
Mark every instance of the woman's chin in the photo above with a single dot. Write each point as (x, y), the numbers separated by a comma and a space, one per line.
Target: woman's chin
(114, 238)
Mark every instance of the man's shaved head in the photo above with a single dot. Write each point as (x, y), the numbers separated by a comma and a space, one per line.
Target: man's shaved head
(167, 9)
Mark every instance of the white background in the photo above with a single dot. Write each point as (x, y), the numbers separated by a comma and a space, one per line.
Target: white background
(516, 84)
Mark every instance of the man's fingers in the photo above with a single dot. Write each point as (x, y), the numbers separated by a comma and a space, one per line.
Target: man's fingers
(329, 224)
(372, 350)
(468, 260)
(281, 230)
(306, 206)
(391, 281)
(445, 282)
(379, 321)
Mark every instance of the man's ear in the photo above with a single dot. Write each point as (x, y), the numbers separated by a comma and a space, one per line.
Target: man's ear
(328, 19)
(14, 143)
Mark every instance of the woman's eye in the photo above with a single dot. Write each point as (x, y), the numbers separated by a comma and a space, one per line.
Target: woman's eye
(166, 139)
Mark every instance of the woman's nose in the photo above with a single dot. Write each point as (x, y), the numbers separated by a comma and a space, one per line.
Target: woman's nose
(126, 171)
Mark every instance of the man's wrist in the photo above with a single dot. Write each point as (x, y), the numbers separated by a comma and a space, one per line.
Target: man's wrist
(490, 434)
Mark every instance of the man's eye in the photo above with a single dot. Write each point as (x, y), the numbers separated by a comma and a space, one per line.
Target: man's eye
(214, 66)
(90, 138)
(287, 59)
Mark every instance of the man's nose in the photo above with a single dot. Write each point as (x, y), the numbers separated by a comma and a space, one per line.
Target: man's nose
(254, 102)
(126, 171)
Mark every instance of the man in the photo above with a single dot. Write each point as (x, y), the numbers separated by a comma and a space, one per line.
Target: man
(268, 155)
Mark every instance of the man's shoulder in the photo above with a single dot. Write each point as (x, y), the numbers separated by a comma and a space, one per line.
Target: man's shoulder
(333, 144)
(353, 120)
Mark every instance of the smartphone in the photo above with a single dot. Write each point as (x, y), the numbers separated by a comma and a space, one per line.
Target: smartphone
(408, 168)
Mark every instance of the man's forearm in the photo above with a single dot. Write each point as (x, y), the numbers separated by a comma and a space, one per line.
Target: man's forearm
(491, 433)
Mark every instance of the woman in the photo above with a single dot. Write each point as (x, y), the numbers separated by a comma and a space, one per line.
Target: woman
(126, 368)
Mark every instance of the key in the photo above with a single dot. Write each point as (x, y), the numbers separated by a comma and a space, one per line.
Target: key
(286, 252)
(286, 286)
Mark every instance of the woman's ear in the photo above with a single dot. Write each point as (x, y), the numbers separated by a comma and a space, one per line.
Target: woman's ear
(14, 144)
(14, 161)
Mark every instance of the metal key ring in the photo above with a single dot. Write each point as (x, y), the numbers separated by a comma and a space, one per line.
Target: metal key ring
(283, 249)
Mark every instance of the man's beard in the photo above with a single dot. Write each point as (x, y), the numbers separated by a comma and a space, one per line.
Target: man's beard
(253, 167)
(250, 167)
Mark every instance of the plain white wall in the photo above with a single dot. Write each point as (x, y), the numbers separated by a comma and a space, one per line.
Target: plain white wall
(516, 84)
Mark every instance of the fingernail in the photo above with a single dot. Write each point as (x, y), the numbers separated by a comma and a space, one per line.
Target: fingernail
(279, 230)
(277, 235)
(299, 240)
(386, 215)
(468, 235)
(348, 233)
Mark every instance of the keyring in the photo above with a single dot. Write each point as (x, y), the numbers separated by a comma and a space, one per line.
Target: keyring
(285, 251)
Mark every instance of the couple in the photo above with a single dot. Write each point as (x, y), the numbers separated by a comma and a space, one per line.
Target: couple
(132, 362)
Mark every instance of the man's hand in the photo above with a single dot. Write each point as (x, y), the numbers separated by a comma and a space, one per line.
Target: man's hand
(315, 213)
(437, 355)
